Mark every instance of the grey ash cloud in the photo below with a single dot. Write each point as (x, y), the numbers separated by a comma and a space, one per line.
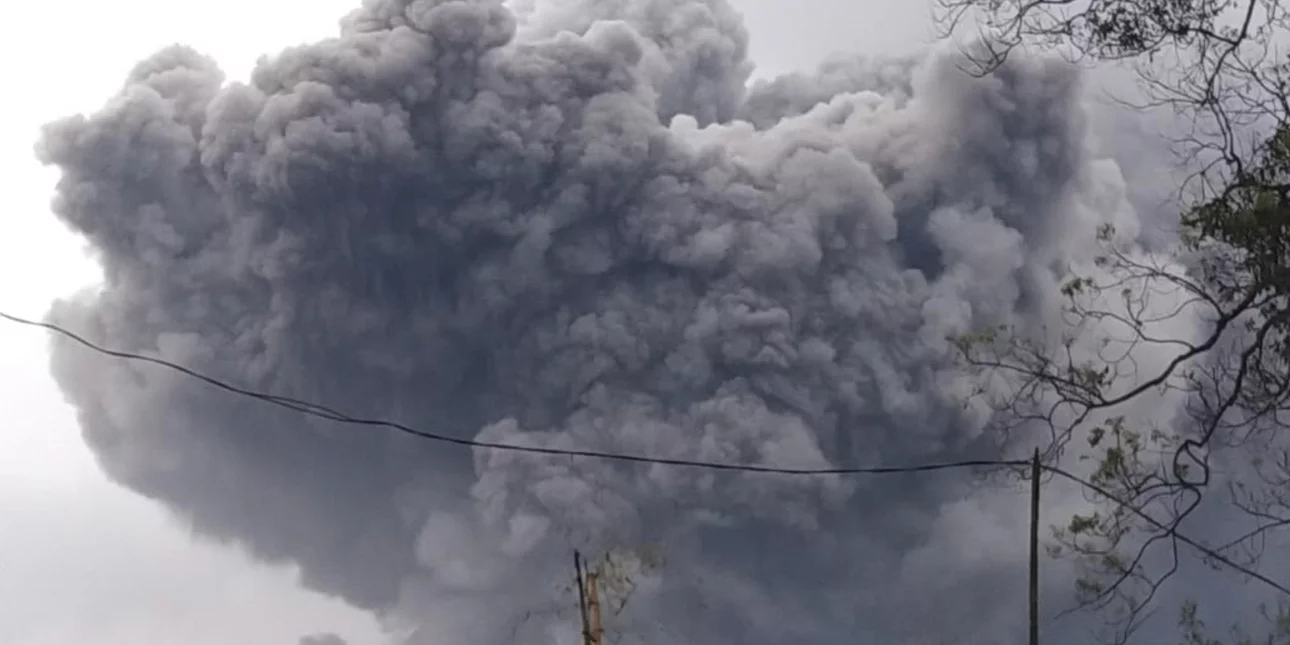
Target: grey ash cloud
(575, 224)
(322, 639)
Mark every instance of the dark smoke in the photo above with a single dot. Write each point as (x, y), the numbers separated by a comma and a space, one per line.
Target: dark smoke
(322, 639)
(569, 224)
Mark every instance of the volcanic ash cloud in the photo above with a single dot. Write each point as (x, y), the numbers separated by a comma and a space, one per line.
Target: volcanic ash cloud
(574, 224)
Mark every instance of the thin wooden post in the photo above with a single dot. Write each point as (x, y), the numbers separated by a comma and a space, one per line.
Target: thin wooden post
(1034, 548)
(582, 598)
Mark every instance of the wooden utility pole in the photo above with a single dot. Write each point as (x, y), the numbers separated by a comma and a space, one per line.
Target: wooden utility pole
(1034, 548)
(593, 607)
(582, 598)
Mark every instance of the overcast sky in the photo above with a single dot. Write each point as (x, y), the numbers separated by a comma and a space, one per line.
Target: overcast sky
(82, 561)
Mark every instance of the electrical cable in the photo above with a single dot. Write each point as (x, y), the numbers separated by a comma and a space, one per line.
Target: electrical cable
(325, 412)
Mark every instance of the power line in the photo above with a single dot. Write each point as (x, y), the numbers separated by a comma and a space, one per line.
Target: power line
(331, 414)
(325, 412)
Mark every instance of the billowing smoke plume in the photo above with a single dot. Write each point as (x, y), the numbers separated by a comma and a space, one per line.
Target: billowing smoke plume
(575, 224)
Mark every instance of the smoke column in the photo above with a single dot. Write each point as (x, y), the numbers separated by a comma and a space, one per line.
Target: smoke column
(575, 223)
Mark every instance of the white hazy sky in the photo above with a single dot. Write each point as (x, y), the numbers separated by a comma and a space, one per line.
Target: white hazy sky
(82, 561)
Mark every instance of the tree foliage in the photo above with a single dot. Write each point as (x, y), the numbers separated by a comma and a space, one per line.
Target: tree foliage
(1232, 379)
(1196, 632)
(1087, 388)
(1217, 62)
